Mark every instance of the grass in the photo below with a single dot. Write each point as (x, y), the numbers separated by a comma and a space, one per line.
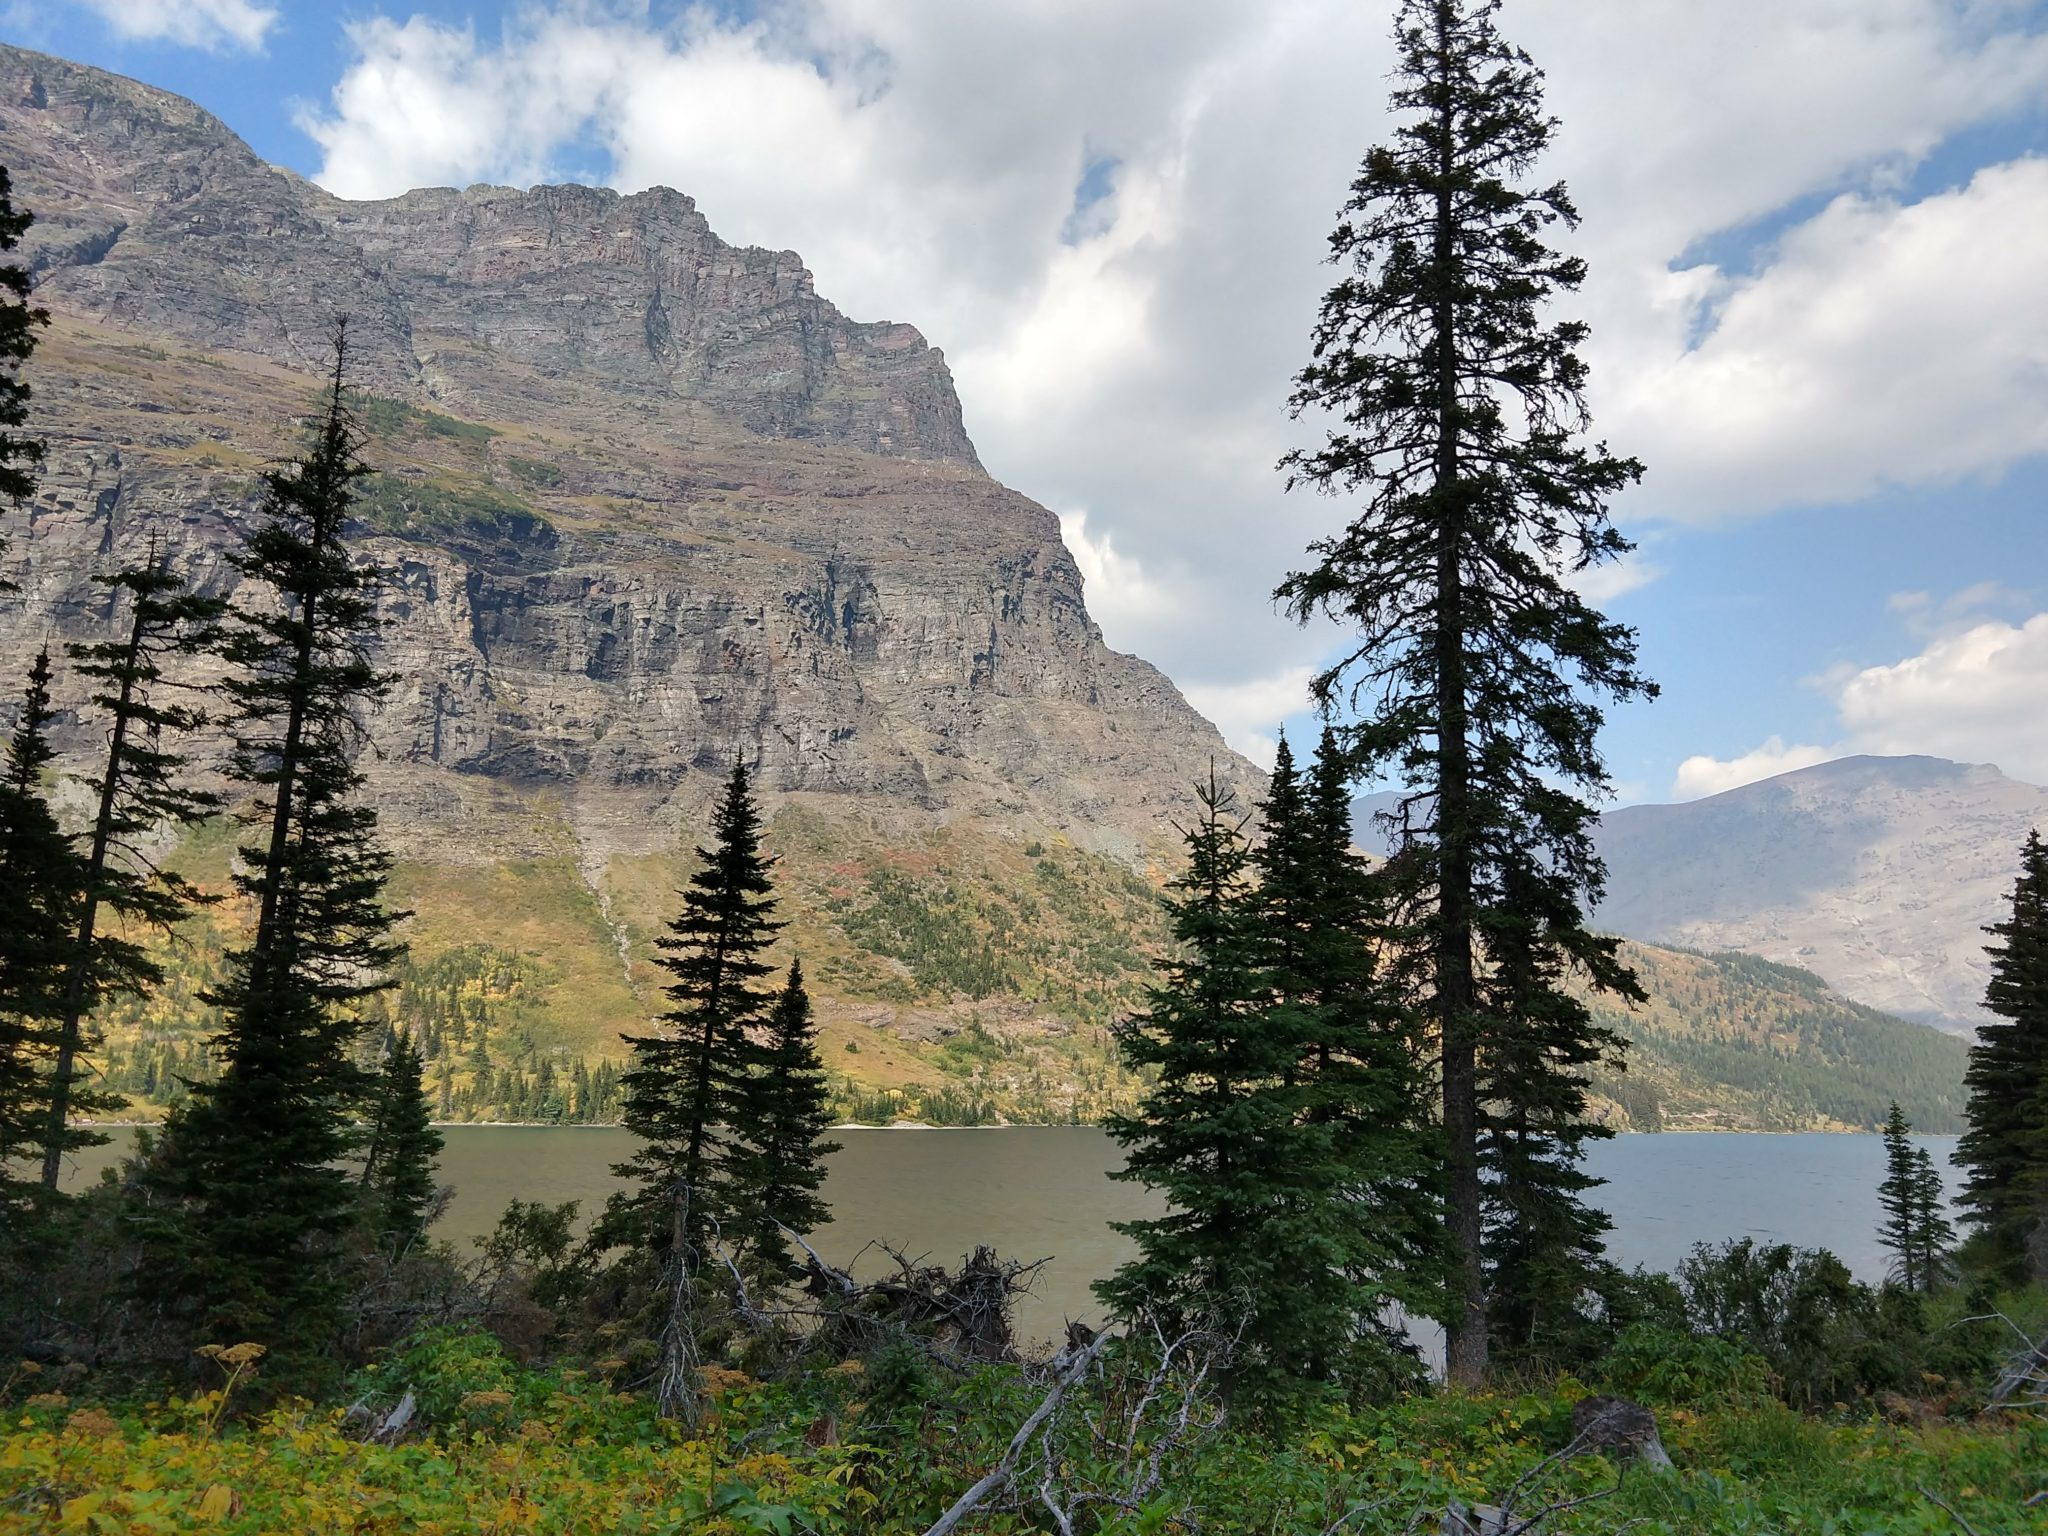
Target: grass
(430, 507)
(390, 419)
(541, 911)
(513, 1450)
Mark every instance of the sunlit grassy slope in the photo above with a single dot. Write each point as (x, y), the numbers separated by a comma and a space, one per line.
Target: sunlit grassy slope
(965, 977)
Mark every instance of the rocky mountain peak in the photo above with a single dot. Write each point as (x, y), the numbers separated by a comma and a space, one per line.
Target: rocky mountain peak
(152, 215)
(1877, 872)
(649, 500)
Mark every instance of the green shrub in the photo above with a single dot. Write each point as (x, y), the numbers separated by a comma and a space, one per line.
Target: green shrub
(1658, 1365)
(456, 1375)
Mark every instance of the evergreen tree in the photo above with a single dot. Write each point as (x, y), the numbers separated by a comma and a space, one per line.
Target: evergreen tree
(1252, 1242)
(779, 1145)
(1323, 922)
(2004, 1149)
(1933, 1236)
(398, 1165)
(19, 319)
(1543, 1244)
(41, 876)
(687, 1083)
(1458, 415)
(1898, 1198)
(140, 790)
(251, 1164)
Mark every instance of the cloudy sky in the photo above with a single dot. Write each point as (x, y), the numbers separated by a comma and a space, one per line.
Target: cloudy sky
(1818, 232)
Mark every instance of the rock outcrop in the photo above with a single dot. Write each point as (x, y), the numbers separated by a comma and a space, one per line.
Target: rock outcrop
(650, 501)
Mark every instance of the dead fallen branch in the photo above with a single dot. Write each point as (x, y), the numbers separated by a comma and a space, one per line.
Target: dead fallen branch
(1068, 1369)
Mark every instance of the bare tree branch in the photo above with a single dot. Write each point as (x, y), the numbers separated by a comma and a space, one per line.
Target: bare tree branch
(1069, 1373)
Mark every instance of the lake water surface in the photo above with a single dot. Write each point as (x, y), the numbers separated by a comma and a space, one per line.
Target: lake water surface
(1036, 1192)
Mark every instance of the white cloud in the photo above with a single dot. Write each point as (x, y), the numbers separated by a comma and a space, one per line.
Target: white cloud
(1883, 345)
(1702, 776)
(1977, 696)
(924, 157)
(1926, 617)
(1249, 713)
(1977, 692)
(209, 24)
(1118, 591)
(1602, 584)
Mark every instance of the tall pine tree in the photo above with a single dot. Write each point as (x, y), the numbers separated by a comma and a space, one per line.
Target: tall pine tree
(1458, 410)
(19, 321)
(1933, 1236)
(1253, 1243)
(1322, 921)
(41, 879)
(1897, 1197)
(142, 787)
(252, 1162)
(1543, 1244)
(2004, 1148)
(1916, 1227)
(779, 1144)
(398, 1162)
(687, 1084)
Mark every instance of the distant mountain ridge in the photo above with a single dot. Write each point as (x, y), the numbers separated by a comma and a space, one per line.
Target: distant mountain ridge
(1877, 873)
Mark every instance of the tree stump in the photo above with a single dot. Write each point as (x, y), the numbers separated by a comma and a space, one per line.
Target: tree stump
(1616, 1426)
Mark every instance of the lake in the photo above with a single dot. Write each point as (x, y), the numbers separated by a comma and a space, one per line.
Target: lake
(1036, 1192)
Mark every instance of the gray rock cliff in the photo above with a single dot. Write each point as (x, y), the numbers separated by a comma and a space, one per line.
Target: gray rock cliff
(648, 499)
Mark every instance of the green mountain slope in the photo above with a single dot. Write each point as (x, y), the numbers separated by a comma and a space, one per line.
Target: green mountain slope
(965, 977)
(1731, 1042)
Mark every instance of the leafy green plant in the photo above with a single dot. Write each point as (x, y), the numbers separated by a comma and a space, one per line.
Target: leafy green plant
(1658, 1365)
(455, 1374)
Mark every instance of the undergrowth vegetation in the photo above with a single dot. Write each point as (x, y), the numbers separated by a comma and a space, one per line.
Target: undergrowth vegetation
(506, 1448)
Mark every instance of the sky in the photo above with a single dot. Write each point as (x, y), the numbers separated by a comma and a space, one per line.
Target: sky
(1817, 232)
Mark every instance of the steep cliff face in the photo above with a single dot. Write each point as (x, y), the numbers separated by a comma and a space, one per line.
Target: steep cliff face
(649, 501)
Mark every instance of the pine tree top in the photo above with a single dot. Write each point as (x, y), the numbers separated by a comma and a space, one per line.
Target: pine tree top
(19, 322)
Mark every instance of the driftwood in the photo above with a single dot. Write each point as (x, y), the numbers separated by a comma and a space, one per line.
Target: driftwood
(961, 1316)
(384, 1429)
(395, 1422)
(2023, 1380)
(1461, 1519)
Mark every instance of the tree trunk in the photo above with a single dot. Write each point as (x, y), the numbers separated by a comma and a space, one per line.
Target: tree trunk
(1465, 1355)
(675, 1394)
(70, 1034)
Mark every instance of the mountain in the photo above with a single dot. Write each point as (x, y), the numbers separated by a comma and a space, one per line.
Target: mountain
(1879, 873)
(651, 502)
(1733, 1042)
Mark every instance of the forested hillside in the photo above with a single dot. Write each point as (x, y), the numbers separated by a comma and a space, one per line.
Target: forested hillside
(969, 979)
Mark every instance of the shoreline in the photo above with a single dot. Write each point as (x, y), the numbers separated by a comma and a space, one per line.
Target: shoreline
(1015, 1125)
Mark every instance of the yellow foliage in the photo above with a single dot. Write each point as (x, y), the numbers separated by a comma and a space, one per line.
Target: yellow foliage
(217, 1503)
(303, 1473)
(719, 1380)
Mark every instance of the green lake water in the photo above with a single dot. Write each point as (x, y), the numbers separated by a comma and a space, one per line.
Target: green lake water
(1036, 1192)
